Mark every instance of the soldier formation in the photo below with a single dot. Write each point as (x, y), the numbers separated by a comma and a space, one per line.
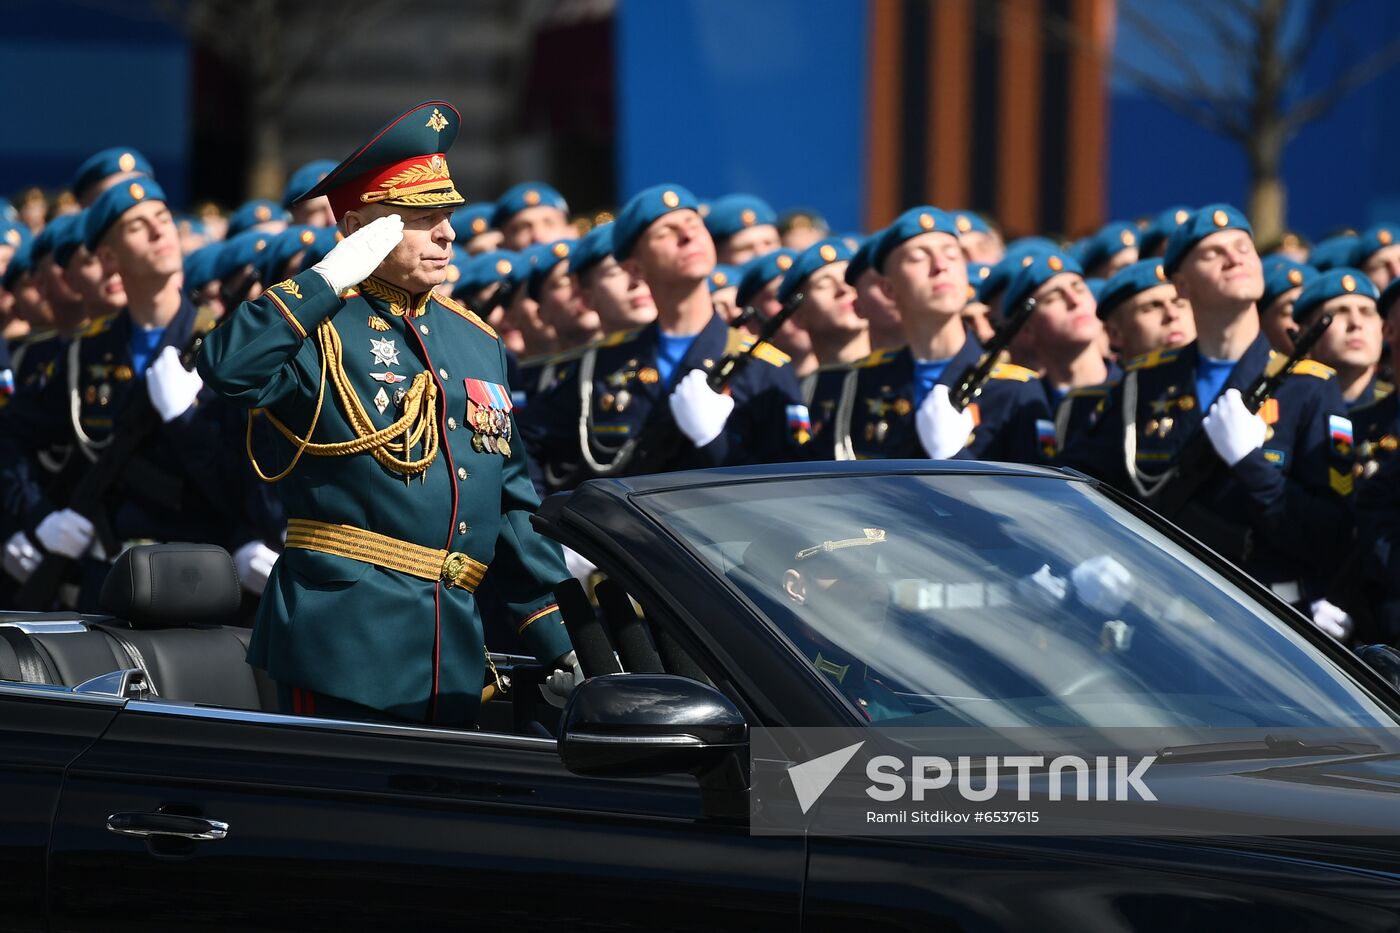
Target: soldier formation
(530, 351)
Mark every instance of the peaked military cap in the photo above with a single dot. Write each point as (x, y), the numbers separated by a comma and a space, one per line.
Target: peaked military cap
(543, 262)
(1107, 241)
(724, 277)
(1041, 269)
(55, 232)
(760, 270)
(112, 161)
(644, 208)
(861, 260)
(591, 248)
(485, 269)
(1334, 283)
(1281, 275)
(912, 223)
(1373, 240)
(270, 262)
(304, 179)
(1212, 218)
(113, 203)
(404, 164)
(1129, 281)
(251, 213)
(821, 253)
(734, 212)
(1333, 251)
(472, 220)
(524, 195)
(1159, 230)
(1019, 254)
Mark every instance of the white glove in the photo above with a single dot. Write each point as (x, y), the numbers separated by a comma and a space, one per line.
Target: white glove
(700, 411)
(1233, 430)
(562, 683)
(170, 385)
(1331, 619)
(943, 430)
(580, 567)
(65, 532)
(21, 556)
(355, 258)
(1042, 589)
(1102, 584)
(254, 561)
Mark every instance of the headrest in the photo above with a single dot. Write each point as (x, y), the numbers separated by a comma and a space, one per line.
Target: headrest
(171, 585)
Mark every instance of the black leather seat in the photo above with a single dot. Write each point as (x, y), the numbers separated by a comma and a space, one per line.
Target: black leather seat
(167, 602)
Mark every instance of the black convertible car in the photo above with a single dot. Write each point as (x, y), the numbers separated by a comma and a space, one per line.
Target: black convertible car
(147, 782)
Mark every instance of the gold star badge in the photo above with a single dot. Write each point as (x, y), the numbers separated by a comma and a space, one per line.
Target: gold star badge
(437, 122)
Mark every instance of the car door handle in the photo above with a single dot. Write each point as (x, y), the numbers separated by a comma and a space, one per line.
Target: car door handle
(170, 825)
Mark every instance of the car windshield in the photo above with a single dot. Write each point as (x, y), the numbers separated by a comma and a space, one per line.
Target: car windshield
(1006, 600)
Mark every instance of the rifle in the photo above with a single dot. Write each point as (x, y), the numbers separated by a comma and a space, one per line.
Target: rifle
(976, 376)
(132, 427)
(657, 443)
(1198, 462)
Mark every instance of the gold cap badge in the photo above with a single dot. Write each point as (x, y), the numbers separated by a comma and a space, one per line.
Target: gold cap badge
(560, 249)
(1026, 261)
(983, 272)
(1161, 273)
(827, 252)
(259, 246)
(1295, 277)
(13, 238)
(532, 197)
(1055, 263)
(307, 237)
(503, 267)
(437, 122)
(1181, 217)
(1220, 218)
(126, 162)
(1348, 284)
(746, 216)
(479, 225)
(262, 213)
(926, 221)
(1384, 236)
(720, 279)
(670, 199)
(136, 191)
(964, 224)
(784, 262)
(1127, 238)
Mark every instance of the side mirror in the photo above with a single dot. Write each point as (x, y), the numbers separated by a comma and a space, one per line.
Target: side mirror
(636, 725)
(1384, 660)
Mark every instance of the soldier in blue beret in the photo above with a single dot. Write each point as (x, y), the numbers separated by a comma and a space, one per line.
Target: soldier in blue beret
(1142, 312)
(1279, 506)
(1333, 251)
(1112, 247)
(13, 236)
(281, 255)
(800, 228)
(1353, 344)
(1377, 253)
(1283, 283)
(901, 406)
(1019, 254)
(622, 301)
(1377, 423)
(387, 542)
(872, 303)
(99, 287)
(455, 266)
(622, 383)
(483, 277)
(982, 244)
(977, 315)
(179, 491)
(472, 224)
(1292, 246)
(531, 213)
(550, 284)
(65, 306)
(743, 226)
(523, 330)
(759, 281)
(313, 212)
(104, 169)
(724, 291)
(24, 304)
(1152, 242)
(258, 214)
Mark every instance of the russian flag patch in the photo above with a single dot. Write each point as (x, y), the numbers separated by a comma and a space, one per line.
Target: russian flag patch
(1339, 428)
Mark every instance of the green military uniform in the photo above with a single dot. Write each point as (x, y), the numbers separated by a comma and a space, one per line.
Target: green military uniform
(403, 482)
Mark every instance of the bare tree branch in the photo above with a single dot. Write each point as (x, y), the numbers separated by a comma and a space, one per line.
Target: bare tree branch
(1363, 72)
(1320, 15)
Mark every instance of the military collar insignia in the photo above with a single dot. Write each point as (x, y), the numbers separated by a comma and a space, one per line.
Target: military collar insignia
(399, 301)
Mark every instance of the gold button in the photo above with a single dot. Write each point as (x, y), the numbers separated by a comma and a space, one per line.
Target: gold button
(462, 473)
(442, 373)
(451, 424)
(423, 328)
(461, 528)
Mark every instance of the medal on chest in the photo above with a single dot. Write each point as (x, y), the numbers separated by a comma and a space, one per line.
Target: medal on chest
(488, 416)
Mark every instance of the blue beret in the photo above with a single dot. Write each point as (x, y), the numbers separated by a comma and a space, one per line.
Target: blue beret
(472, 220)
(200, 267)
(724, 277)
(108, 162)
(734, 212)
(1018, 255)
(861, 261)
(486, 269)
(1129, 281)
(251, 213)
(529, 258)
(326, 238)
(912, 223)
(1096, 287)
(304, 179)
(1212, 218)
(56, 231)
(7, 211)
(19, 265)
(1333, 251)
(14, 234)
(1106, 242)
(590, 249)
(1388, 296)
(1373, 240)
(1041, 269)
(542, 263)
(281, 247)
(759, 271)
(1282, 274)
(1160, 229)
(969, 222)
(977, 273)
(643, 210)
(113, 203)
(1334, 283)
(526, 194)
(456, 264)
(68, 237)
(242, 250)
(819, 254)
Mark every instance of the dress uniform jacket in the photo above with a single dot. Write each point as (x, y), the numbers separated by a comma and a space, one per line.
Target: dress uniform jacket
(445, 483)
(1286, 501)
(618, 379)
(1375, 417)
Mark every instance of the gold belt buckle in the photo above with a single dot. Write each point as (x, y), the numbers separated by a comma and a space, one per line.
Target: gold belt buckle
(453, 566)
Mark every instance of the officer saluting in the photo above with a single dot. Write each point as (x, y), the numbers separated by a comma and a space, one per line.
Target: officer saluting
(403, 479)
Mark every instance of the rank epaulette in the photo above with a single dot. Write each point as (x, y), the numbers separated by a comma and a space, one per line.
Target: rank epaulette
(463, 311)
(1153, 358)
(1383, 389)
(1314, 368)
(1013, 372)
(878, 358)
(99, 326)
